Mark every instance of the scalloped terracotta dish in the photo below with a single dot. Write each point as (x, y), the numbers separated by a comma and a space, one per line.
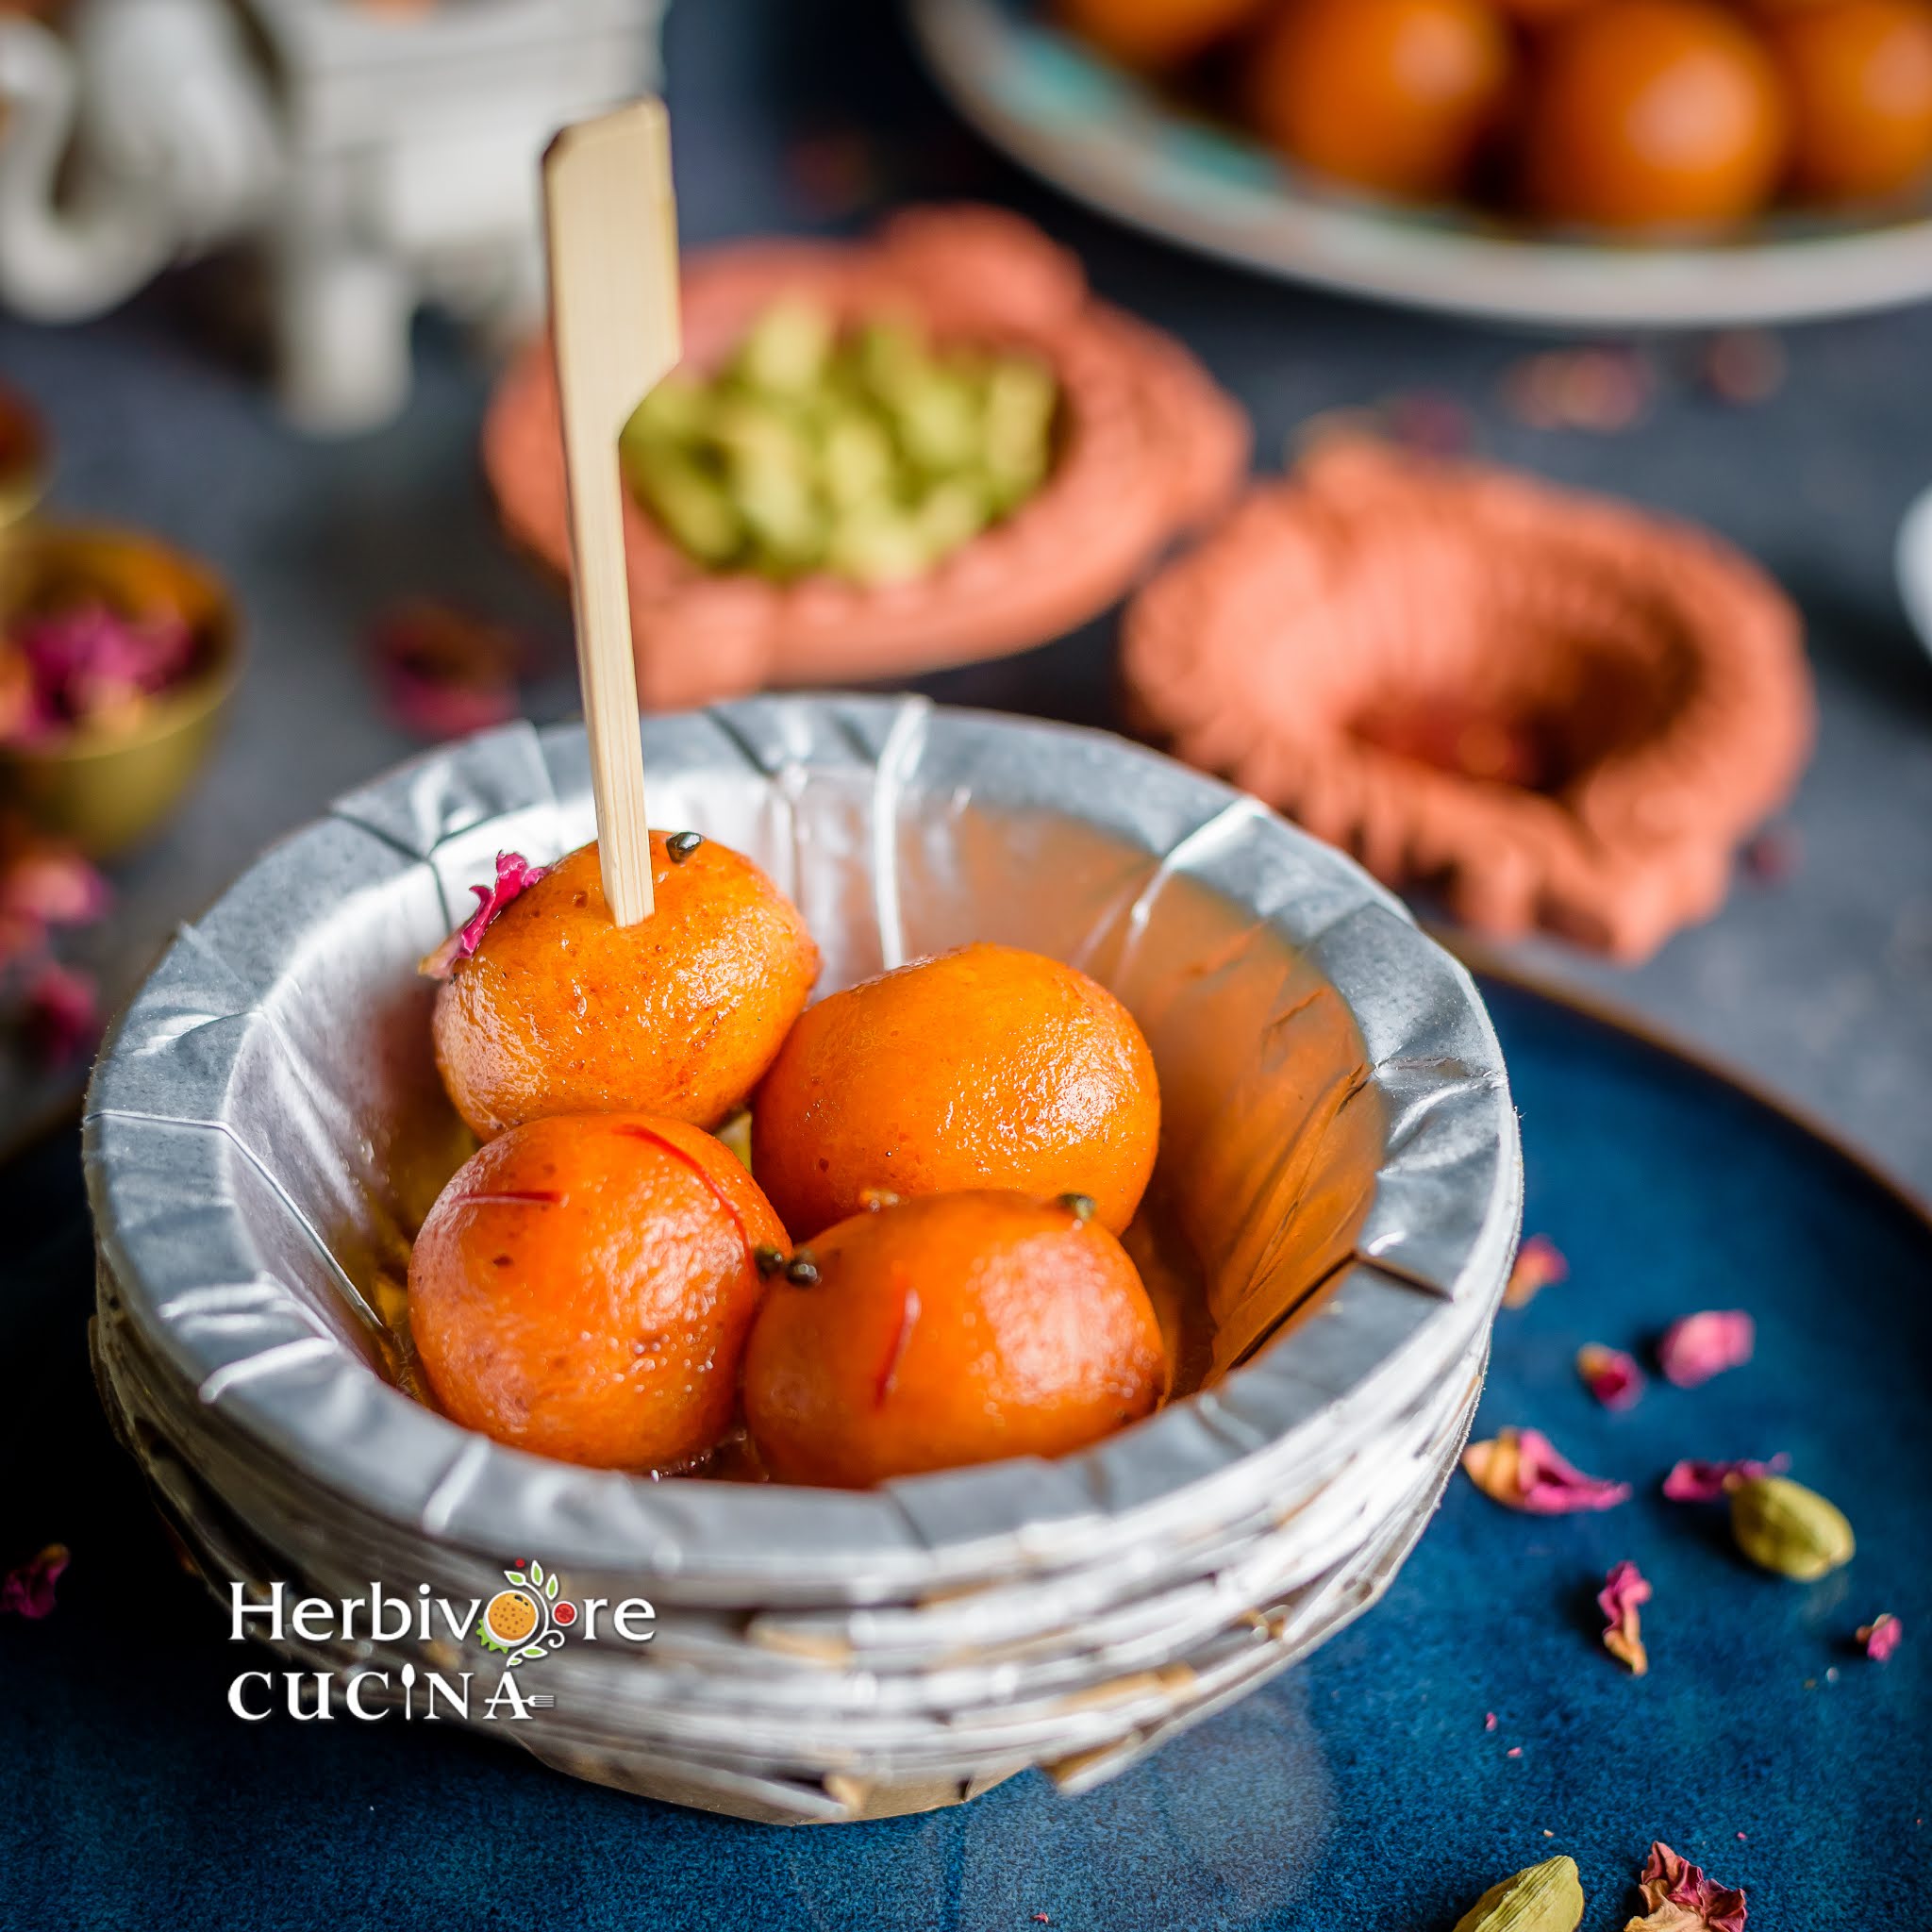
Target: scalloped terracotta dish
(1558, 711)
(1147, 447)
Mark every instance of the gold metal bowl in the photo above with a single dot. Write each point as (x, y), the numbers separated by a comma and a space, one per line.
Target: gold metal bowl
(109, 786)
(23, 457)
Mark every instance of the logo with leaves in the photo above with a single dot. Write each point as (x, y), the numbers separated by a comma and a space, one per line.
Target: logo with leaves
(527, 1619)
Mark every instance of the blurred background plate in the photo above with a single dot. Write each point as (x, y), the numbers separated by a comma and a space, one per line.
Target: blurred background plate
(1102, 135)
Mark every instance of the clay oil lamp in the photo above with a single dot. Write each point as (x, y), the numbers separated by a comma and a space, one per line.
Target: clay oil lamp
(876, 458)
(1552, 709)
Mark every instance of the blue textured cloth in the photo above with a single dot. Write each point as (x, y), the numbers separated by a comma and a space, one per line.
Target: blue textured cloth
(1361, 1789)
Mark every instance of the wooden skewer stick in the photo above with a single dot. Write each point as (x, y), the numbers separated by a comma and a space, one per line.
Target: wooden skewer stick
(614, 328)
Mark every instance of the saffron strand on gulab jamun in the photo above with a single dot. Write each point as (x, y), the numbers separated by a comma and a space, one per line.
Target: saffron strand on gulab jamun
(952, 1329)
(550, 1007)
(985, 1067)
(584, 1285)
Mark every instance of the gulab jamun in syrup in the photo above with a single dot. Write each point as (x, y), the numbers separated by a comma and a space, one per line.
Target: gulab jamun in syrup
(953, 1329)
(558, 1009)
(985, 1067)
(584, 1285)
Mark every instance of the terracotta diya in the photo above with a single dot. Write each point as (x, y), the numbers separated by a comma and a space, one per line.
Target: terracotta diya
(1556, 710)
(1144, 447)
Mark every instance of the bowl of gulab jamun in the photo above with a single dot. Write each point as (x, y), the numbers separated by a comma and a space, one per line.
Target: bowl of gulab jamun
(999, 1259)
(1565, 161)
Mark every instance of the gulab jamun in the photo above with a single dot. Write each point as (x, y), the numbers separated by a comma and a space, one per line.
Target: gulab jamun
(1394, 95)
(1860, 73)
(561, 1010)
(954, 1329)
(584, 1285)
(985, 1067)
(1653, 113)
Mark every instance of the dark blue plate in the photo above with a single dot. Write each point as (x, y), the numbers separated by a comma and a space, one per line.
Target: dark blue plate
(1362, 1790)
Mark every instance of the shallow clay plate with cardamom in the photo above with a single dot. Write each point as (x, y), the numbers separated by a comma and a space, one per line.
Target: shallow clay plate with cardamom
(1146, 447)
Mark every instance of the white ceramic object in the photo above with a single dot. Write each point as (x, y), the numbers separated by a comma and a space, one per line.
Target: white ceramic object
(381, 158)
(1114, 142)
(1914, 564)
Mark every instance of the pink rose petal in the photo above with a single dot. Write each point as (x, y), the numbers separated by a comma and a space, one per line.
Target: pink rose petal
(1489, 1720)
(1881, 1636)
(89, 662)
(515, 875)
(1609, 1375)
(1626, 1589)
(62, 1014)
(1521, 1469)
(1668, 1881)
(444, 673)
(1691, 1481)
(1700, 1346)
(49, 882)
(1538, 1263)
(29, 1591)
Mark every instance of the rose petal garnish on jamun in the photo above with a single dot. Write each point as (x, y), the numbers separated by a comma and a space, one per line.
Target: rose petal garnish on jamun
(1880, 1637)
(1538, 1263)
(515, 874)
(1694, 1481)
(1681, 1899)
(1521, 1469)
(1696, 1347)
(28, 1589)
(1626, 1591)
(1609, 1375)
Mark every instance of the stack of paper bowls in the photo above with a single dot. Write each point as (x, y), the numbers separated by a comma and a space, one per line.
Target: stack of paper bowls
(1340, 1186)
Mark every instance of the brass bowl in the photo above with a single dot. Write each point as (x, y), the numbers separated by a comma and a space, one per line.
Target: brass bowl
(107, 786)
(23, 457)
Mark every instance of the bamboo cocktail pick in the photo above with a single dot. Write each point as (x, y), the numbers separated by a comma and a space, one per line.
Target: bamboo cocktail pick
(614, 330)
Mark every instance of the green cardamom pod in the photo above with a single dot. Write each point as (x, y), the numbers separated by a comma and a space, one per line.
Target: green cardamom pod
(1785, 1527)
(1543, 1898)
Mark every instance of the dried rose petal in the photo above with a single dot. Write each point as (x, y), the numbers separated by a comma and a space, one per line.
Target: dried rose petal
(1539, 1262)
(1742, 366)
(833, 172)
(1773, 856)
(1682, 1899)
(1624, 1591)
(1691, 1481)
(29, 1591)
(1521, 1469)
(1430, 419)
(89, 662)
(1609, 1375)
(1699, 1346)
(1881, 1636)
(444, 673)
(49, 882)
(61, 1016)
(515, 874)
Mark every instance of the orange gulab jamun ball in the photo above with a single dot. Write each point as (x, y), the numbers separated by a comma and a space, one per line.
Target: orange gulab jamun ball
(1395, 95)
(986, 1067)
(1860, 78)
(561, 1010)
(584, 1285)
(953, 1329)
(1653, 113)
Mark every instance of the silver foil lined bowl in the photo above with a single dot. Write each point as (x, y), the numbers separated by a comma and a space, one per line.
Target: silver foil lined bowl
(1331, 1226)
